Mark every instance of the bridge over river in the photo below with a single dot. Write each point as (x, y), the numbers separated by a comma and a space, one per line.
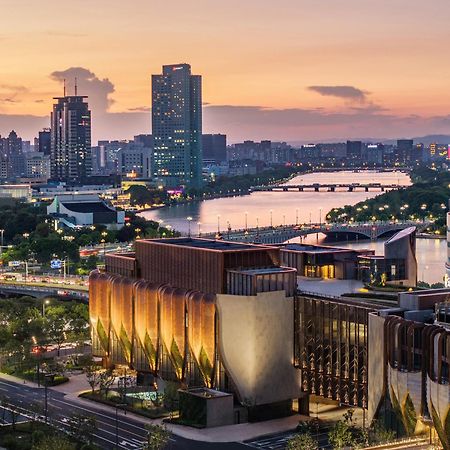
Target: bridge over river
(283, 233)
(329, 187)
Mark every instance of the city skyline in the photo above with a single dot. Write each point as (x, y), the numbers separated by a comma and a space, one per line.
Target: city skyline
(301, 73)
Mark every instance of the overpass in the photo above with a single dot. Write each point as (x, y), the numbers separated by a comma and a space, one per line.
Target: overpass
(328, 187)
(280, 234)
(13, 289)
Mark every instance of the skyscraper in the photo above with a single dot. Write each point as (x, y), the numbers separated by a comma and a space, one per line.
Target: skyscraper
(177, 126)
(71, 139)
(44, 141)
(214, 147)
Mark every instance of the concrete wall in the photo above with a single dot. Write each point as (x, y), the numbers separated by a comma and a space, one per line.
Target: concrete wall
(256, 342)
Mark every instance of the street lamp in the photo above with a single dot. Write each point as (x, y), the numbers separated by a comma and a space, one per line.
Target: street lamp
(246, 220)
(1, 237)
(271, 222)
(199, 229)
(296, 216)
(44, 302)
(189, 219)
(218, 223)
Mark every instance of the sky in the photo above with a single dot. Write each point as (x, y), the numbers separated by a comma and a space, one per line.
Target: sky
(290, 70)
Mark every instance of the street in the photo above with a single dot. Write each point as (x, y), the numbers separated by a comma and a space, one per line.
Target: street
(130, 433)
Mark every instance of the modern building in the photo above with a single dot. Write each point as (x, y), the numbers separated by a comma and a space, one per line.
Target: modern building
(409, 365)
(397, 266)
(37, 165)
(203, 313)
(354, 151)
(214, 147)
(134, 160)
(405, 150)
(71, 139)
(177, 126)
(319, 261)
(74, 211)
(44, 142)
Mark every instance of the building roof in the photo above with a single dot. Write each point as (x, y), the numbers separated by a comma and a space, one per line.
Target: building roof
(401, 234)
(87, 207)
(315, 248)
(264, 270)
(209, 244)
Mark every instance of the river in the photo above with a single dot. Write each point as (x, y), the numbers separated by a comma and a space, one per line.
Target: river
(287, 207)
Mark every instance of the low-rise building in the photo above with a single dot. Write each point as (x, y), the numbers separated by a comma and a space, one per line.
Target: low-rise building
(81, 211)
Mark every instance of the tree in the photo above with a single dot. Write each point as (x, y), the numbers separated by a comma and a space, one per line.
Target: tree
(55, 328)
(107, 378)
(157, 438)
(54, 442)
(92, 376)
(302, 442)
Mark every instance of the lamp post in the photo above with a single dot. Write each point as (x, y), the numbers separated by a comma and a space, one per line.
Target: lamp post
(320, 217)
(44, 302)
(271, 221)
(296, 216)
(189, 219)
(246, 220)
(218, 223)
(199, 229)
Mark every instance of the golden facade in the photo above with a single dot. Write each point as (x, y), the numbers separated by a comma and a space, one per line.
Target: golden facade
(144, 324)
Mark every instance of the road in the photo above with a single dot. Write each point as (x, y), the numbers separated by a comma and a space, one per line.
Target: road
(131, 433)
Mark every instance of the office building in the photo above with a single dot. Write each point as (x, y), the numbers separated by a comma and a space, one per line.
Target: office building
(134, 161)
(404, 150)
(214, 147)
(13, 152)
(177, 127)
(44, 142)
(354, 151)
(71, 139)
(37, 165)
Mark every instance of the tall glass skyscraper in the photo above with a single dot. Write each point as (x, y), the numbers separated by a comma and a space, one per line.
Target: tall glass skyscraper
(177, 127)
(71, 139)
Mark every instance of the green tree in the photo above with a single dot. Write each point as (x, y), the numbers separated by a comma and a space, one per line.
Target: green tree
(302, 442)
(158, 437)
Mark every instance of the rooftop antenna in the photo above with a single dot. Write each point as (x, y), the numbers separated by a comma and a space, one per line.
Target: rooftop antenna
(64, 87)
(76, 87)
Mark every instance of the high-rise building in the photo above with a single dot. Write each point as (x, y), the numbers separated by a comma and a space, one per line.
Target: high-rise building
(354, 150)
(71, 139)
(177, 126)
(14, 155)
(214, 147)
(44, 141)
(404, 150)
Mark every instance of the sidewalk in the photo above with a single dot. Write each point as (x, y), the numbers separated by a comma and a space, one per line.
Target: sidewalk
(230, 433)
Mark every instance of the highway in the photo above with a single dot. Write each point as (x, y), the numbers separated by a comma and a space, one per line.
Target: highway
(131, 433)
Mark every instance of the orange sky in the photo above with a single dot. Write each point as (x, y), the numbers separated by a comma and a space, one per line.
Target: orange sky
(252, 53)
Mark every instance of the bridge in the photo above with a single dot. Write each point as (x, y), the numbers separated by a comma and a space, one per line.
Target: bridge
(328, 187)
(13, 289)
(283, 233)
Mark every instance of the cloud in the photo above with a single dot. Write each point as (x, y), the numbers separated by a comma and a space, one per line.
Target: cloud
(346, 92)
(297, 124)
(140, 109)
(98, 90)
